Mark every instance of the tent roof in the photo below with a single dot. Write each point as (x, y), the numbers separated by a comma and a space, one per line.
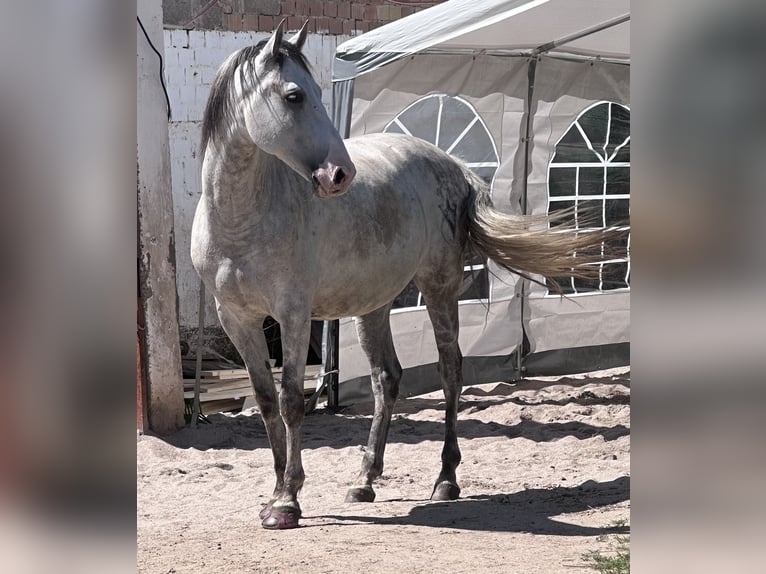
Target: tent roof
(582, 27)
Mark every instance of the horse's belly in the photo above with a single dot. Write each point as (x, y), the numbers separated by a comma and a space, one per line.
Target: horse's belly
(361, 288)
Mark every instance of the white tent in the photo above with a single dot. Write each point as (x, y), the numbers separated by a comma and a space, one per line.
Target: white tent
(534, 96)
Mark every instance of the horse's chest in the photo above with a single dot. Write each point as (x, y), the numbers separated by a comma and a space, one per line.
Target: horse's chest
(238, 283)
(253, 273)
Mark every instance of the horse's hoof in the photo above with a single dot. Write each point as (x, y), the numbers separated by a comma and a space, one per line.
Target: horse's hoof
(266, 510)
(446, 491)
(281, 518)
(360, 494)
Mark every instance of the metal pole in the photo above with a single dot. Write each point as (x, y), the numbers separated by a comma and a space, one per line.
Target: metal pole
(527, 137)
(200, 350)
(342, 101)
(581, 34)
(330, 361)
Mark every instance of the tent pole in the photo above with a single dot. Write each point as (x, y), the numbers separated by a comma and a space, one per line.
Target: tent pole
(342, 98)
(527, 136)
(581, 34)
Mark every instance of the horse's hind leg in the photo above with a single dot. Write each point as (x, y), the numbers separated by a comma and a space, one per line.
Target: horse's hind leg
(442, 306)
(249, 340)
(375, 336)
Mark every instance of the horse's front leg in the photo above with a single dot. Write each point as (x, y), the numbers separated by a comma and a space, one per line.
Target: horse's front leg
(247, 336)
(295, 326)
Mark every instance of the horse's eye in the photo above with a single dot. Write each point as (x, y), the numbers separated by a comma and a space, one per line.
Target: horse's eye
(294, 97)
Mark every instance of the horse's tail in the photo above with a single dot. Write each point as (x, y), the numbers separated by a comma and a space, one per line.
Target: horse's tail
(538, 244)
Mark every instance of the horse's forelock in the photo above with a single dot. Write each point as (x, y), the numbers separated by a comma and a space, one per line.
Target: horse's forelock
(219, 108)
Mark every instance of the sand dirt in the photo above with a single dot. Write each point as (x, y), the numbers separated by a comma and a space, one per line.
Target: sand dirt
(545, 474)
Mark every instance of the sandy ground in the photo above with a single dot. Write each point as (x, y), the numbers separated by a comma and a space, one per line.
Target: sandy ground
(545, 474)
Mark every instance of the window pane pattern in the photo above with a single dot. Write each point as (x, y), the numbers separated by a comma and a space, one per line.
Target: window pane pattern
(590, 174)
(452, 124)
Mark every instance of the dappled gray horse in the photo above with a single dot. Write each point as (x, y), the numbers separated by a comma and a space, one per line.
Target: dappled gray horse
(295, 224)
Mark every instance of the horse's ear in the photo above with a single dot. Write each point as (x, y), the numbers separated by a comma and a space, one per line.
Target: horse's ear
(275, 42)
(300, 37)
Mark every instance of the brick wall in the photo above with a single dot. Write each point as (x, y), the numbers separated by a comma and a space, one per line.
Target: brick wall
(335, 17)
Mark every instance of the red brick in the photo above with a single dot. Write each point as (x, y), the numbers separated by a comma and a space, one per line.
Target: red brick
(370, 12)
(301, 7)
(331, 9)
(336, 26)
(312, 25)
(295, 22)
(407, 11)
(362, 26)
(315, 7)
(250, 22)
(232, 21)
(357, 11)
(267, 23)
(395, 12)
(323, 25)
(344, 9)
(384, 12)
(347, 26)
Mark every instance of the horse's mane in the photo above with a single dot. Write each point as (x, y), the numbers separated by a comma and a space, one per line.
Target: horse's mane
(219, 110)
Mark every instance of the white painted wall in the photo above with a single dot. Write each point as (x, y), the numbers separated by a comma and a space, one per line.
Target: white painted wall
(191, 60)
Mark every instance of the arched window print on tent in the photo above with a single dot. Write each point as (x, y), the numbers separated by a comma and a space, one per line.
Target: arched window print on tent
(452, 124)
(590, 172)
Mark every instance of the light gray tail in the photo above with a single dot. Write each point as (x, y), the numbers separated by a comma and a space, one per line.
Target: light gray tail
(537, 245)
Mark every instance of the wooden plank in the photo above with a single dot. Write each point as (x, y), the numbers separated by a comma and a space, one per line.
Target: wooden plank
(228, 392)
(215, 393)
(189, 386)
(312, 371)
(223, 378)
(210, 408)
(240, 393)
(215, 387)
(219, 373)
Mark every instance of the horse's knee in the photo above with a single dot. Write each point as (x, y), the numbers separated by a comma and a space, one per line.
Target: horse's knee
(268, 407)
(265, 397)
(291, 406)
(389, 380)
(450, 350)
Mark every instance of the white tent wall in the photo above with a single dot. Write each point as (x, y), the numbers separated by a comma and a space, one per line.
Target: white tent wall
(373, 84)
(562, 90)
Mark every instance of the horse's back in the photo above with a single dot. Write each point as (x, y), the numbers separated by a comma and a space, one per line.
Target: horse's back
(414, 173)
(389, 156)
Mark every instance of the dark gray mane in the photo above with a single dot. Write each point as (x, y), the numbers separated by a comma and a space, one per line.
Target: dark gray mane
(219, 108)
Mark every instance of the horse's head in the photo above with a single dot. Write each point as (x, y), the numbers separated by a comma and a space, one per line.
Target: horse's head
(281, 108)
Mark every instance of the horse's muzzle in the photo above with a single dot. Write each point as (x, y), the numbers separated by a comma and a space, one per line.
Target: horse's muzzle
(330, 180)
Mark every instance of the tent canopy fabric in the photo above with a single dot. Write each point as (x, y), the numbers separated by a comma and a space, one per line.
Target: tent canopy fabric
(589, 28)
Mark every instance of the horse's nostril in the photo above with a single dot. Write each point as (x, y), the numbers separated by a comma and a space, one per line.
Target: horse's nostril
(315, 180)
(339, 176)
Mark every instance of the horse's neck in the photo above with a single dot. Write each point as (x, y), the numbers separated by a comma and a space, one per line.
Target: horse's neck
(242, 182)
